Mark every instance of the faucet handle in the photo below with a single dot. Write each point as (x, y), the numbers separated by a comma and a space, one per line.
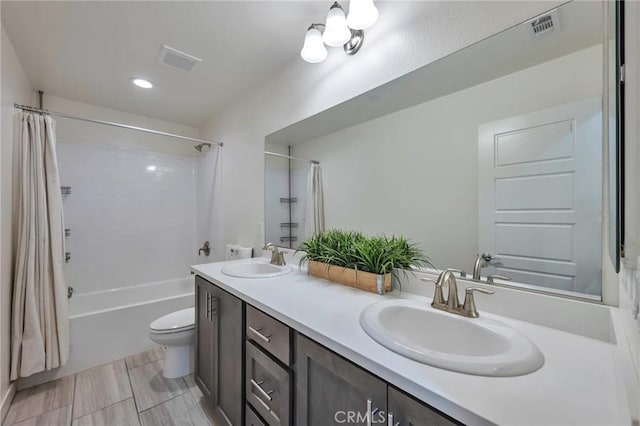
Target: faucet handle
(438, 296)
(469, 305)
(462, 273)
(490, 278)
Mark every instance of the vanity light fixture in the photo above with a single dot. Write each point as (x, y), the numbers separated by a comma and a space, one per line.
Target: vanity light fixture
(337, 31)
(313, 50)
(362, 14)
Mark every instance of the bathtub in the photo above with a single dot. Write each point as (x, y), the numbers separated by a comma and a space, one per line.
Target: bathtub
(112, 324)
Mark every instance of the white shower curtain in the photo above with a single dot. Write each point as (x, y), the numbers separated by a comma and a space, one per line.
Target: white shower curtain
(314, 222)
(40, 321)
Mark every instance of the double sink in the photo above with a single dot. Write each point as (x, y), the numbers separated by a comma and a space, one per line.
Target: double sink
(415, 330)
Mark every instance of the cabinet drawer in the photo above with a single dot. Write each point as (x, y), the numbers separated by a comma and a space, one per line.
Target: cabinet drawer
(267, 387)
(269, 333)
(251, 418)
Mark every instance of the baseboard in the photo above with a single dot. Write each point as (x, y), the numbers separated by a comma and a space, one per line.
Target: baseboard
(6, 401)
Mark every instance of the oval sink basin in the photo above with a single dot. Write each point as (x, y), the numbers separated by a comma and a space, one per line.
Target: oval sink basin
(478, 346)
(256, 269)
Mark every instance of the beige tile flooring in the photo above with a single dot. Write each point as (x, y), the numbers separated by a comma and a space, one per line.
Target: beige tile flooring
(128, 392)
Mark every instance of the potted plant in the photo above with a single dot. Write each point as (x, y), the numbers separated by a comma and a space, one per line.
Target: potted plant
(352, 259)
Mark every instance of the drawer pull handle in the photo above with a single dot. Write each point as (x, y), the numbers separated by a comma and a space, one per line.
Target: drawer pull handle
(390, 421)
(208, 315)
(257, 331)
(371, 412)
(261, 390)
(213, 303)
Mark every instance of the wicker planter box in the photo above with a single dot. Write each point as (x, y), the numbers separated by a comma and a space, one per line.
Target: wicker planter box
(350, 277)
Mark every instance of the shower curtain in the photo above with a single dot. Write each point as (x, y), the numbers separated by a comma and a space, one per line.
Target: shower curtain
(40, 322)
(314, 222)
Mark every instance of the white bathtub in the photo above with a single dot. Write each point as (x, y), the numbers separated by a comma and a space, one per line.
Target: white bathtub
(113, 324)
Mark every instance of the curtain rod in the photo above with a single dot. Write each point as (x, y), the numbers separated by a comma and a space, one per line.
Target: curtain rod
(114, 124)
(275, 154)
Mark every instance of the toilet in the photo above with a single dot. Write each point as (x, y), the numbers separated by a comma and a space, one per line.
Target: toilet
(176, 332)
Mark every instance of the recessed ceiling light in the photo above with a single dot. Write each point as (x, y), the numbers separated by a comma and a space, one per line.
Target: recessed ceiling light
(141, 82)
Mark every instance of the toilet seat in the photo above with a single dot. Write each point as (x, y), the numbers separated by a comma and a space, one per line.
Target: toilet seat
(174, 322)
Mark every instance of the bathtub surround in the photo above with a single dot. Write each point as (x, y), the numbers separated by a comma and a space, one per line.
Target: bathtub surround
(131, 215)
(15, 88)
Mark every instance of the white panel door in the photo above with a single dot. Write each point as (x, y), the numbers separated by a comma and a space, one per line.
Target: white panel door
(540, 197)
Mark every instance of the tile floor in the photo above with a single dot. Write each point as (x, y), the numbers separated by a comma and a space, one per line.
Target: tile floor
(128, 392)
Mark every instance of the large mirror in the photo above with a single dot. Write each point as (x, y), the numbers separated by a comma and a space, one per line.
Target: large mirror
(506, 159)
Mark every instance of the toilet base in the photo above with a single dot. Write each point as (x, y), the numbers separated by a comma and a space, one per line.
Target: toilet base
(178, 361)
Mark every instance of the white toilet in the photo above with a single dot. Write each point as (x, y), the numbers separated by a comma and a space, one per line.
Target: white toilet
(176, 332)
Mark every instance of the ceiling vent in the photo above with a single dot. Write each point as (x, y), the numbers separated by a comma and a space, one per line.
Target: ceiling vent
(177, 59)
(546, 24)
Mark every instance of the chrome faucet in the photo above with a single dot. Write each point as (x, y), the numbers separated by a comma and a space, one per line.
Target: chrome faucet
(452, 304)
(482, 261)
(277, 258)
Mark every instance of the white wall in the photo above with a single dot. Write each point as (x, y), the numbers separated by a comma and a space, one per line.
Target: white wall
(400, 42)
(390, 175)
(15, 88)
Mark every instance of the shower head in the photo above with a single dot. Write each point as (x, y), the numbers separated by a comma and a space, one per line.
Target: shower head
(203, 147)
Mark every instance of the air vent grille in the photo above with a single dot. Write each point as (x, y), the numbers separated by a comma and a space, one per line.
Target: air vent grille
(545, 24)
(177, 59)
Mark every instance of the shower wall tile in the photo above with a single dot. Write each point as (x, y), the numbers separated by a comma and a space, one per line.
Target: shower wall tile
(131, 214)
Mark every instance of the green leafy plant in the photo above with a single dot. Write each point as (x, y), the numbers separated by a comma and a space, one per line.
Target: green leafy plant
(379, 255)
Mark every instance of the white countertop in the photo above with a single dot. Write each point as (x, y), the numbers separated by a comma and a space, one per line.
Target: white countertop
(579, 383)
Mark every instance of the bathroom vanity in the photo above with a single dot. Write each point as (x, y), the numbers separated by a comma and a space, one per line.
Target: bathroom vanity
(291, 350)
(283, 368)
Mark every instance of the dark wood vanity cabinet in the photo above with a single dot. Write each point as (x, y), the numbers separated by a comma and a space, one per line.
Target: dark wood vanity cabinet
(218, 349)
(404, 410)
(206, 336)
(330, 390)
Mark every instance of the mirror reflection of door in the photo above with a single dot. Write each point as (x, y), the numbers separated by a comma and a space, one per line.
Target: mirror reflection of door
(540, 195)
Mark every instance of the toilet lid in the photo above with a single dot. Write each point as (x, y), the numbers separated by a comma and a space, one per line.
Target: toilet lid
(174, 321)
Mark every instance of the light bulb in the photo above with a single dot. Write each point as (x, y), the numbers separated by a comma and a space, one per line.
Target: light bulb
(362, 14)
(313, 50)
(336, 32)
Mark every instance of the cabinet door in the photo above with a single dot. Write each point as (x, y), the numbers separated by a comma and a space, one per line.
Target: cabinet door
(228, 321)
(333, 391)
(206, 336)
(406, 411)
